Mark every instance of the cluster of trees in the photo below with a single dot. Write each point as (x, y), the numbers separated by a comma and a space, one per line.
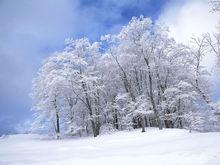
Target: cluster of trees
(135, 79)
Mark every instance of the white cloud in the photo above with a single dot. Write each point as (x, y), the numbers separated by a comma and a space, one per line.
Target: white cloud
(188, 18)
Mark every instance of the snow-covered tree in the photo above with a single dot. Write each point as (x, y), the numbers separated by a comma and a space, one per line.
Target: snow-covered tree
(137, 78)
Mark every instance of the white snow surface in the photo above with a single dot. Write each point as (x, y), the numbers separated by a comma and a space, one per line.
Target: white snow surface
(154, 147)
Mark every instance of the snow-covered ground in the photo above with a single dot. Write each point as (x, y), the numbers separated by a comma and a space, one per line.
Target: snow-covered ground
(166, 147)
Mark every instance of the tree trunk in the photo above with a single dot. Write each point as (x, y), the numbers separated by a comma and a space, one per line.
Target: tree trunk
(57, 125)
(143, 124)
(116, 119)
(90, 110)
(151, 95)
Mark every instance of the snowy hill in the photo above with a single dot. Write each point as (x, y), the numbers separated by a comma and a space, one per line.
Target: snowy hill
(166, 147)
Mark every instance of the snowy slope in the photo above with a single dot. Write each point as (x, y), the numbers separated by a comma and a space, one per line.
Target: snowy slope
(166, 147)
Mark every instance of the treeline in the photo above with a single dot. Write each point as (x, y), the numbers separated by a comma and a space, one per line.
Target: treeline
(135, 79)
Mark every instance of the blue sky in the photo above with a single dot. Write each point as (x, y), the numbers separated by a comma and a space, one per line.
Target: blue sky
(31, 30)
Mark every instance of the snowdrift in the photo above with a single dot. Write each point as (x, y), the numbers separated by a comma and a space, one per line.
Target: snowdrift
(154, 147)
